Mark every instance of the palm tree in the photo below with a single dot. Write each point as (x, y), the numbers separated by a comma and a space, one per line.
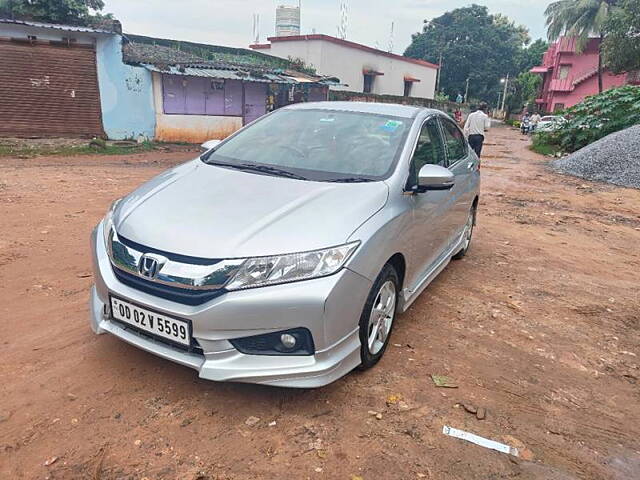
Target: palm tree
(579, 19)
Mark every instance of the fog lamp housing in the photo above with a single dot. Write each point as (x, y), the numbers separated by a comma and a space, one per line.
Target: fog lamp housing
(296, 341)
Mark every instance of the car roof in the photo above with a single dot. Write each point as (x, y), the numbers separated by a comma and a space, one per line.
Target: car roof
(392, 109)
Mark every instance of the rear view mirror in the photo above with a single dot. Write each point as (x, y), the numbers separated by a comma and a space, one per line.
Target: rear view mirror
(435, 177)
(209, 144)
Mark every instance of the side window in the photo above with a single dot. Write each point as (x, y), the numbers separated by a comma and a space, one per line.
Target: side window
(429, 149)
(454, 140)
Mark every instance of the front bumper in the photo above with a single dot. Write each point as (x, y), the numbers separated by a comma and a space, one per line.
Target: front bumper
(329, 307)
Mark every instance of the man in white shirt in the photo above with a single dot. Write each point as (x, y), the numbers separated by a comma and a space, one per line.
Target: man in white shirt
(476, 125)
(535, 118)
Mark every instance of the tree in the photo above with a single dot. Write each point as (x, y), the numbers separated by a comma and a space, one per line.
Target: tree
(74, 12)
(531, 56)
(621, 47)
(579, 19)
(525, 91)
(472, 44)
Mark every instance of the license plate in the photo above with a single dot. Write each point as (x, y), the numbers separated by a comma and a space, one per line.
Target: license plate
(155, 323)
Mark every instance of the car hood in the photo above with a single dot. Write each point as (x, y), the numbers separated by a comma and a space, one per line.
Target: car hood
(214, 212)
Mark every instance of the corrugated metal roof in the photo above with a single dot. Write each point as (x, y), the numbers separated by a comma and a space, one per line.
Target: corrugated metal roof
(222, 73)
(70, 28)
(237, 74)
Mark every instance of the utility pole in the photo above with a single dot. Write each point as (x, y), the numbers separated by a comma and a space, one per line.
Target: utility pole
(498, 104)
(438, 73)
(504, 94)
(466, 91)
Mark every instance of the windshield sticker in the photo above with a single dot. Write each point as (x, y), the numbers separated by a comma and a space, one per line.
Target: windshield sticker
(391, 125)
(330, 119)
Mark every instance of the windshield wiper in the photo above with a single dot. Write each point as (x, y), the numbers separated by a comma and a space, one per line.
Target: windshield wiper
(260, 168)
(350, 180)
(273, 170)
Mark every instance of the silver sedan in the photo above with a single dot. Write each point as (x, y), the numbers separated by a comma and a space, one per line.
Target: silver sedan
(283, 254)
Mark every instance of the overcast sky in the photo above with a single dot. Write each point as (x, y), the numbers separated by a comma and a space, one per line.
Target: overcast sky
(229, 22)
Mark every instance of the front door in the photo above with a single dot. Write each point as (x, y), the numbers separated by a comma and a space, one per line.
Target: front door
(255, 101)
(429, 229)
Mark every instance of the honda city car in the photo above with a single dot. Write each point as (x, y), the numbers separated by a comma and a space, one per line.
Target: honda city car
(283, 254)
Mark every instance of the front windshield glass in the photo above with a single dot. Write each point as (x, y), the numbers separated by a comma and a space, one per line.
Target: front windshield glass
(320, 145)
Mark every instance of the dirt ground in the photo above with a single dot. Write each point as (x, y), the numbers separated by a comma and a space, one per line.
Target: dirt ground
(539, 324)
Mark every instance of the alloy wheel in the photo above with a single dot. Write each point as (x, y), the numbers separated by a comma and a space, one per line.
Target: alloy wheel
(381, 317)
(468, 231)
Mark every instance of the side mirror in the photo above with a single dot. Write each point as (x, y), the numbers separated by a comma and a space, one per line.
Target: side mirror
(435, 177)
(209, 144)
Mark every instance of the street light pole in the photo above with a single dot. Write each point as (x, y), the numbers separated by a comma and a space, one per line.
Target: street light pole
(499, 97)
(466, 91)
(438, 74)
(504, 94)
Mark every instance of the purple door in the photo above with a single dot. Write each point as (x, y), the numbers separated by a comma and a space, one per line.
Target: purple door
(255, 101)
(318, 94)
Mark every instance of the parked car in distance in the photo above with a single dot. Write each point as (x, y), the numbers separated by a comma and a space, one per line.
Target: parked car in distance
(549, 123)
(282, 255)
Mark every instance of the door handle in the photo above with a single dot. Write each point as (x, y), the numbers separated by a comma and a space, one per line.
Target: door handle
(470, 165)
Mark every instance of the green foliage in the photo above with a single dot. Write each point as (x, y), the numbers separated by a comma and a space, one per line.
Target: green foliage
(299, 65)
(474, 45)
(441, 97)
(621, 47)
(94, 147)
(525, 91)
(546, 143)
(598, 116)
(74, 12)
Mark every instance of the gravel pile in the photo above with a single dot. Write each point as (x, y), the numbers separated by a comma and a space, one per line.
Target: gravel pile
(612, 159)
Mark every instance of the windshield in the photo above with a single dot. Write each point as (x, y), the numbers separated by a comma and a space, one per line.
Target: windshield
(320, 145)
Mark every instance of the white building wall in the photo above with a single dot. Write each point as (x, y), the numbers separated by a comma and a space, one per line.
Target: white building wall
(347, 63)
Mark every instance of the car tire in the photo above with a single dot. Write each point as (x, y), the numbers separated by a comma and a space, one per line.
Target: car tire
(378, 314)
(468, 233)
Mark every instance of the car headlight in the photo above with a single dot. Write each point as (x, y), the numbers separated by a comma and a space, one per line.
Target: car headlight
(107, 223)
(262, 271)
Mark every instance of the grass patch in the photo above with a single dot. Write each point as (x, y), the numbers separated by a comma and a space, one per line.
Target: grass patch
(22, 151)
(545, 144)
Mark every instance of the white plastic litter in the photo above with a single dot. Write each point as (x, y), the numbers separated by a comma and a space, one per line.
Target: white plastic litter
(483, 442)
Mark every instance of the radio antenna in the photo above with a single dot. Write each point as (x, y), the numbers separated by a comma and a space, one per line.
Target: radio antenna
(344, 19)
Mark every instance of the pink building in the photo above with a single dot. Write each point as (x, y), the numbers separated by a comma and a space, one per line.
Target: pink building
(569, 77)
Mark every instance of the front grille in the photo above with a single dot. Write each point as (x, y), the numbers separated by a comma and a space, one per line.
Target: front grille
(175, 294)
(170, 255)
(194, 348)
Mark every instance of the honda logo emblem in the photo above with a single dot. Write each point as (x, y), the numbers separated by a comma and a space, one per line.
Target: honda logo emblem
(149, 265)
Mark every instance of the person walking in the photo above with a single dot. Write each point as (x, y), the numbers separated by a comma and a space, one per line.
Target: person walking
(475, 127)
(457, 115)
(535, 118)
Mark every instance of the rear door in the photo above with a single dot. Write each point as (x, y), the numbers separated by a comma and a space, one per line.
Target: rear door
(255, 101)
(463, 163)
